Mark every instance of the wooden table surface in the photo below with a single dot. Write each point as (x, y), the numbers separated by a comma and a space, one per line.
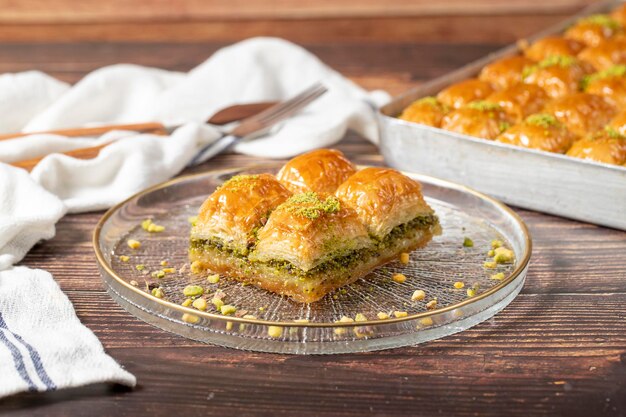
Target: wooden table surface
(559, 349)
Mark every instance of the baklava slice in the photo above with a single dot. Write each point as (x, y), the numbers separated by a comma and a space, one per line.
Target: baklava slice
(229, 219)
(311, 245)
(392, 207)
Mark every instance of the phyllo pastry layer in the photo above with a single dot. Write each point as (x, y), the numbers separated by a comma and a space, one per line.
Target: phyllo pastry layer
(320, 171)
(232, 215)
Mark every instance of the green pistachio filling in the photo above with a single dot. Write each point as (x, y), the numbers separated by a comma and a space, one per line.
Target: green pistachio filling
(340, 260)
(563, 61)
(484, 106)
(615, 71)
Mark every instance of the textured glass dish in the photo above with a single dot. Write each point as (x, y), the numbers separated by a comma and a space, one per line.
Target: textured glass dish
(277, 324)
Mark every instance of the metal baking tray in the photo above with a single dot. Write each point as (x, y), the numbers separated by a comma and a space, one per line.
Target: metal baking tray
(532, 179)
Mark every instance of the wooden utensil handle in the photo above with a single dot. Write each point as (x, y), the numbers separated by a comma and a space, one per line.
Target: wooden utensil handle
(150, 127)
(83, 153)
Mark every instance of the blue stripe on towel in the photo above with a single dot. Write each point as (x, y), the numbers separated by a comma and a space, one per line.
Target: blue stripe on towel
(18, 361)
(34, 356)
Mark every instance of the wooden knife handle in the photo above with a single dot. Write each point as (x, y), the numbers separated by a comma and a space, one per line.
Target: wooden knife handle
(151, 127)
(83, 153)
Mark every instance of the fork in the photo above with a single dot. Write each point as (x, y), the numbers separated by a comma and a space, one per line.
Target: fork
(259, 124)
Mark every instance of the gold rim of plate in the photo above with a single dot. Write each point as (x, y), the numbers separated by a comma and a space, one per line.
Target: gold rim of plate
(213, 316)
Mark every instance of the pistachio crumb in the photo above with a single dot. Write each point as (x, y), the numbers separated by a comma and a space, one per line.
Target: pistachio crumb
(229, 325)
(196, 267)
(458, 285)
(471, 292)
(158, 274)
(133, 244)
(360, 317)
(489, 265)
(432, 304)
(169, 270)
(503, 256)
(426, 321)
(190, 318)
(301, 321)
(399, 278)
(158, 292)
(249, 317)
(187, 302)
(140, 267)
(491, 253)
(214, 278)
(200, 304)
(227, 309)
(164, 263)
(467, 242)
(499, 276)
(193, 291)
(400, 314)
(418, 295)
(382, 316)
(274, 331)
(124, 258)
(217, 302)
(496, 243)
(404, 258)
(192, 220)
(340, 331)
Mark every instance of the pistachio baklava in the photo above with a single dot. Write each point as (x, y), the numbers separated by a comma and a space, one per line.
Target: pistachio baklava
(319, 226)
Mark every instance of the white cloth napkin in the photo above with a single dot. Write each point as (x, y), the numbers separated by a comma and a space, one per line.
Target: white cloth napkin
(43, 346)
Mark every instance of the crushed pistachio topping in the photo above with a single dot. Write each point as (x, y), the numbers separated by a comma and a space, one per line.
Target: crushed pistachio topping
(404, 258)
(133, 244)
(458, 285)
(430, 100)
(471, 292)
(399, 278)
(382, 316)
(214, 278)
(399, 314)
(124, 258)
(613, 133)
(148, 226)
(503, 256)
(432, 304)
(200, 304)
(190, 318)
(187, 302)
(484, 106)
(241, 182)
(193, 291)
(491, 253)
(615, 71)
(489, 264)
(158, 292)
(274, 331)
(563, 61)
(496, 243)
(502, 126)
(311, 206)
(164, 263)
(158, 274)
(360, 317)
(426, 321)
(498, 277)
(169, 270)
(418, 295)
(467, 242)
(228, 309)
(140, 267)
(603, 20)
(542, 119)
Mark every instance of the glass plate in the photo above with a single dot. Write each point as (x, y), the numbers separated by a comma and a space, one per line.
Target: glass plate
(274, 323)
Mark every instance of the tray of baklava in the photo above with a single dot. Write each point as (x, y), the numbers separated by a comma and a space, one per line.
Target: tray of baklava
(540, 124)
